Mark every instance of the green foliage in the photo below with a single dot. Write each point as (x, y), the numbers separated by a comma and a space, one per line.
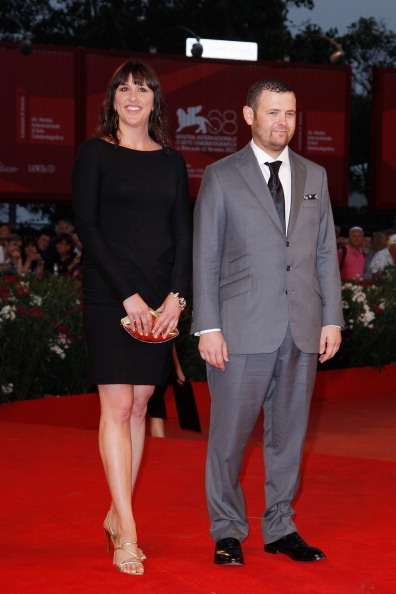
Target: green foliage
(42, 349)
(310, 46)
(368, 44)
(37, 18)
(369, 338)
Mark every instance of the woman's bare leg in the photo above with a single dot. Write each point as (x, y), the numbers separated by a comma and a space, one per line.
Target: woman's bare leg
(117, 404)
(157, 427)
(116, 452)
(138, 426)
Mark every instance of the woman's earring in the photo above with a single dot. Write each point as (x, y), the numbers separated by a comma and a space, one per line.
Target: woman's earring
(115, 118)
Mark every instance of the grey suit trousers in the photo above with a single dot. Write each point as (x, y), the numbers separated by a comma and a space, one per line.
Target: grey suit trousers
(281, 383)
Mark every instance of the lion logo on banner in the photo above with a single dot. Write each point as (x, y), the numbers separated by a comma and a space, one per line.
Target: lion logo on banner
(189, 117)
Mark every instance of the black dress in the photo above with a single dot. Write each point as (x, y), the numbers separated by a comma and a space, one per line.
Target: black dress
(133, 217)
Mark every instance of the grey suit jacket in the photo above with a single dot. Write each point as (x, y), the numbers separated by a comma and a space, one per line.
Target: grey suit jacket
(250, 279)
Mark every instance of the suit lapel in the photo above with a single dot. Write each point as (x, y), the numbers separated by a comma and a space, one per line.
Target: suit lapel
(298, 179)
(250, 170)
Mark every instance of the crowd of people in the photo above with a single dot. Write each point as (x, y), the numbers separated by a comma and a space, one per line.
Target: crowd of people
(363, 254)
(55, 251)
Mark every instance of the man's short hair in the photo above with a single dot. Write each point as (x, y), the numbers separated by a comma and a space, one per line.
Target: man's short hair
(275, 85)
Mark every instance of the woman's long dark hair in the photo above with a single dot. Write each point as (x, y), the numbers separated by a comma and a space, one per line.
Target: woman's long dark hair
(158, 122)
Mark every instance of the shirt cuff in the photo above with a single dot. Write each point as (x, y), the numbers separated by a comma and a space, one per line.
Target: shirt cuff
(206, 331)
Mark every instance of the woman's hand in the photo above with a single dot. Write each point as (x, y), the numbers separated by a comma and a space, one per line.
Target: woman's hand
(169, 318)
(138, 312)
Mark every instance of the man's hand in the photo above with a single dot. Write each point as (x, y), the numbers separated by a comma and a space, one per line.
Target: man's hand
(213, 349)
(330, 340)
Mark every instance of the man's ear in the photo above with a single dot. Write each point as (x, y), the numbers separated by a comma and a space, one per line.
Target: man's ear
(248, 115)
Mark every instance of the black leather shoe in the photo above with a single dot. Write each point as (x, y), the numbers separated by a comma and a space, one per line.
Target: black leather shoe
(228, 551)
(295, 547)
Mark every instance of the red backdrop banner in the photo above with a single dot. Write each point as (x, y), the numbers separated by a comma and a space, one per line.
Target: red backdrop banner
(37, 103)
(383, 143)
(54, 97)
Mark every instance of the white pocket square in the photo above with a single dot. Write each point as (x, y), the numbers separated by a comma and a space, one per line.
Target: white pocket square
(311, 197)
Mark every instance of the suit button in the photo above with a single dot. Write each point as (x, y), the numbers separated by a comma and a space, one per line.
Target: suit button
(287, 243)
(288, 268)
(286, 291)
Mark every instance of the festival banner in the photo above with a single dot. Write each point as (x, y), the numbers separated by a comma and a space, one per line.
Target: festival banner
(53, 100)
(205, 98)
(37, 148)
(383, 143)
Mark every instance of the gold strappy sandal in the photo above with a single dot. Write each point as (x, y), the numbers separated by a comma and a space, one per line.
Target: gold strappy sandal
(133, 560)
(112, 537)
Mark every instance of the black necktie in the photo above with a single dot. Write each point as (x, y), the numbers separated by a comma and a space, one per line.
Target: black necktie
(275, 187)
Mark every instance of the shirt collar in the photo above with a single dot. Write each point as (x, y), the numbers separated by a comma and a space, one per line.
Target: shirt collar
(262, 157)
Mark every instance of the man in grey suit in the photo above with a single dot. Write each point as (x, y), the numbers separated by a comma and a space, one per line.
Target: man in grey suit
(267, 301)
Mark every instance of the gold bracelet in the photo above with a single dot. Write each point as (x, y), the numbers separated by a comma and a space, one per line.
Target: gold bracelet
(181, 300)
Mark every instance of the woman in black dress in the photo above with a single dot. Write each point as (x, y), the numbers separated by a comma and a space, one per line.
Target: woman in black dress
(132, 215)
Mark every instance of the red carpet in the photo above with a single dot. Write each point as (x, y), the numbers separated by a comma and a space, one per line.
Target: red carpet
(53, 499)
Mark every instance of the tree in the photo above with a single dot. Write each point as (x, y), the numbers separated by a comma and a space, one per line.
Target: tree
(141, 25)
(239, 20)
(21, 16)
(367, 44)
(311, 45)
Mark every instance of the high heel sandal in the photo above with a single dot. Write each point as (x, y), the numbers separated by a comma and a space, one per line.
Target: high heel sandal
(111, 536)
(133, 560)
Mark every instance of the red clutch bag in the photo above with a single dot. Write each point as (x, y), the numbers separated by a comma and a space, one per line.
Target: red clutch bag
(132, 330)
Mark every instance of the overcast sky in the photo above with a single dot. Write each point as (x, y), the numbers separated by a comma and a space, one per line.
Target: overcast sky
(341, 13)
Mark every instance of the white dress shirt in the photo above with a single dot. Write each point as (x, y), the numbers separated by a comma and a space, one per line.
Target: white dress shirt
(284, 173)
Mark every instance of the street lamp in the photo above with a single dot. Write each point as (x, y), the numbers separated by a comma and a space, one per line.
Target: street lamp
(337, 56)
(197, 48)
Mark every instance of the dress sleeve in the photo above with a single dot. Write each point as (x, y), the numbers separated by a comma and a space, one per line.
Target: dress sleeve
(181, 221)
(86, 181)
